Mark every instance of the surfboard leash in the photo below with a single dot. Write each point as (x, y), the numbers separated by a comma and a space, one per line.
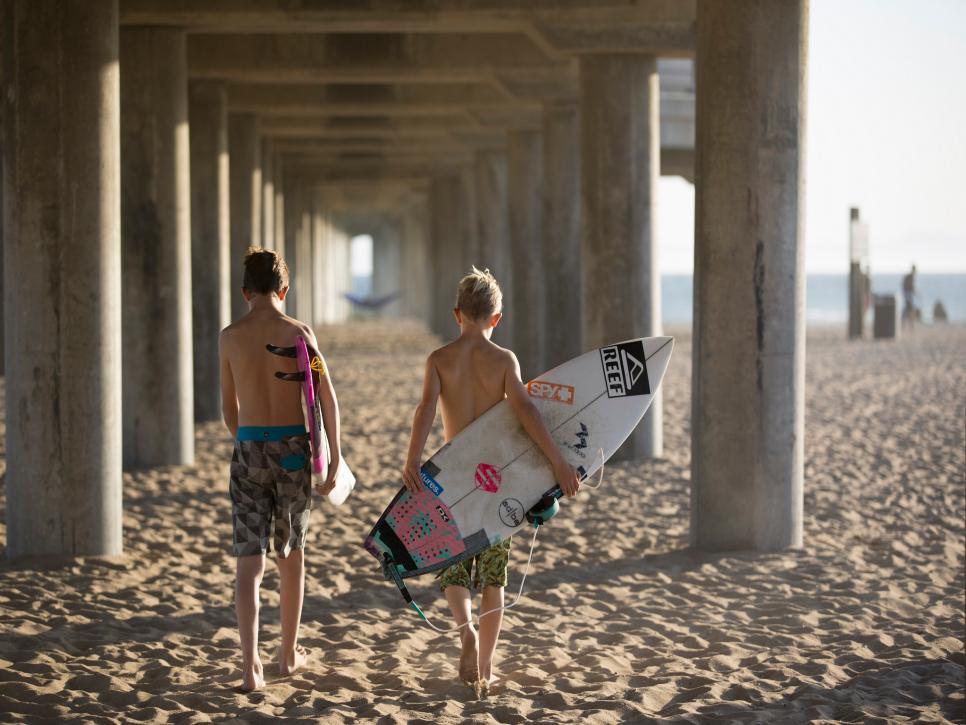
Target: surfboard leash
(393, 573)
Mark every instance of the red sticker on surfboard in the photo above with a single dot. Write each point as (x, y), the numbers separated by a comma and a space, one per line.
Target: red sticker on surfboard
(488, 478)
(551, 391)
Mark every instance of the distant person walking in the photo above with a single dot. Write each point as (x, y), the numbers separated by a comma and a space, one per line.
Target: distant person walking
(909, 310)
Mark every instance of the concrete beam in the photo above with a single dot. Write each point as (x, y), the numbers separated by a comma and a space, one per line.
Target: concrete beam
(450, 16)
(387, 58)
(413, 99)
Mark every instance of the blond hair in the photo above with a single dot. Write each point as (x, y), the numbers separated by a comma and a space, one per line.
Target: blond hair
(479, 297)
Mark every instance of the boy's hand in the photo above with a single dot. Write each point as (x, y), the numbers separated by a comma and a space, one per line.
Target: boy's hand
(566, 477)
(325, 489)
(410, 474)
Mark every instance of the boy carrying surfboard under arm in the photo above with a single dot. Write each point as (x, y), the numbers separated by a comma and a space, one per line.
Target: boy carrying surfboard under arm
(468, 377)
(271, 479)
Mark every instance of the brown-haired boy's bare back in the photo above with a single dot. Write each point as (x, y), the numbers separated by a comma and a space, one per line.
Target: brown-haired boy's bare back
(248, 369)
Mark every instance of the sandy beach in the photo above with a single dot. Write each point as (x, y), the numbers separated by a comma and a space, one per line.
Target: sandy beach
(619, 620)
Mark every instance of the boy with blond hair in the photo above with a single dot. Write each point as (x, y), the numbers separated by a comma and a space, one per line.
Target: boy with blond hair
(468, 377)
(271, 478)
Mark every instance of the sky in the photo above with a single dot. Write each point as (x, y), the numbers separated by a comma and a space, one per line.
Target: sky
(886, 132)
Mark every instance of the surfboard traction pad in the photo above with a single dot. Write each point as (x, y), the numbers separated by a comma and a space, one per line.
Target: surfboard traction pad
(417, 534)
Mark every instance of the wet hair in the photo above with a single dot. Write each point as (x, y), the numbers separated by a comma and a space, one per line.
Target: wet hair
(265, 271)
(479, 297)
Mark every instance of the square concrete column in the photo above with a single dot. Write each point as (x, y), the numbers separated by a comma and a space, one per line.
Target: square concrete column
(620, 164)
(447, 251)
(210, 239)
(156, 248)
(268, 195)
(245, 163)
(321, 267)
(387, 264)
(279, 203)
(293, 223)
(302, 280)
(417, 263)
(62, 269)
(493, 226)
(561, 229)
(525, 311)
(747, 416)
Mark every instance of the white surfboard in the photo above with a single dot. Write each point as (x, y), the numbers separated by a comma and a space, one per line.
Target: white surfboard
(478, 488)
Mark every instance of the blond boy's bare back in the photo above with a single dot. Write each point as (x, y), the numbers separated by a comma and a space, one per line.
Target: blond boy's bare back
(263, 399)
(472, 374)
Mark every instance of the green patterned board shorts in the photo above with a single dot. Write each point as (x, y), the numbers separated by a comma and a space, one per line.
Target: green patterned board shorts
(490, 569)
(271, 490)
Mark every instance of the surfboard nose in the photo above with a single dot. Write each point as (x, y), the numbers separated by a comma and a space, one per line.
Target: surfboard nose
(657, 351)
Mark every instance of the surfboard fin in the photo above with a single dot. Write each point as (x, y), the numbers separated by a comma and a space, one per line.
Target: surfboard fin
(390, 571)
(282, 351)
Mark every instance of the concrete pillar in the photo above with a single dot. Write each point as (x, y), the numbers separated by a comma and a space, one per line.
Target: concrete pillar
(293, 223)
(320, 267)
(493, 226)
(279, 205)
(620, 164)
(447, 258)
(468, 219)
(342, 273)
(302, 281)
(156, 248)
(210, 239)
(387, 264)
(561, 241)
(63, 267)
(268, 194)
(417, 263)
(747, 417)
(245, 163)
(526, 312)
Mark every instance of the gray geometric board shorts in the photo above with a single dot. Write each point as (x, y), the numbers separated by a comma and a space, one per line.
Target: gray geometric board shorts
(271, 489)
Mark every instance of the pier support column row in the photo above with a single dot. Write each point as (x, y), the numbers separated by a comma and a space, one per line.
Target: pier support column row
(620, 164)
(156, 248)
(749, 334)
(62, 248)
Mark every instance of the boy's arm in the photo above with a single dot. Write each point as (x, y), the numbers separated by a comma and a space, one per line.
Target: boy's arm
(229, 399)
(422, 424)
(331, 419)
(533, 424)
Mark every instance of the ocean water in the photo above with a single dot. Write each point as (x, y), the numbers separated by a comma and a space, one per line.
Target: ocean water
(827, 295)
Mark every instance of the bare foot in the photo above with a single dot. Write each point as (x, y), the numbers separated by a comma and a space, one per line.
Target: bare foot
(486, 683)
(252, 678)
(469, 669)
(295, 661)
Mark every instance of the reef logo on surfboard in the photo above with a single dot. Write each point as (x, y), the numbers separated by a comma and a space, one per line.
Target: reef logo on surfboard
(625, 369)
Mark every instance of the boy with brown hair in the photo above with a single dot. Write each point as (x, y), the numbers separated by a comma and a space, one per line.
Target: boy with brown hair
(271, 478)
(468, 377)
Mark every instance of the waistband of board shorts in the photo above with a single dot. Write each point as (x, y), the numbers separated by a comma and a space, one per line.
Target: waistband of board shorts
(269, 432)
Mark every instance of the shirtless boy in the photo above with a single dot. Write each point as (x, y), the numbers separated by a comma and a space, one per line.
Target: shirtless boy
(469, 376)
(271, 479)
